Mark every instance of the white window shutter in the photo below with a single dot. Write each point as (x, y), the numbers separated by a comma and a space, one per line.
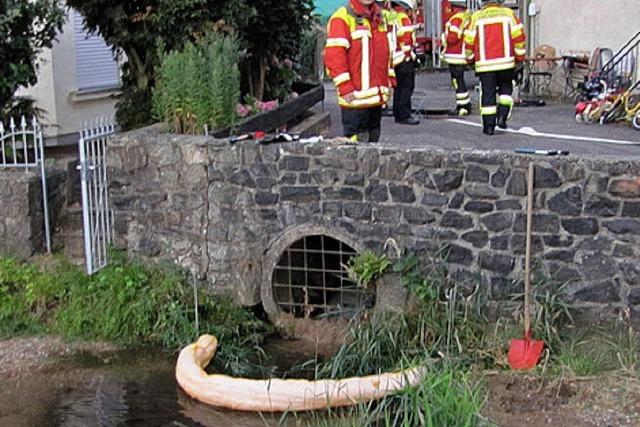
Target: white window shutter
(96, 68)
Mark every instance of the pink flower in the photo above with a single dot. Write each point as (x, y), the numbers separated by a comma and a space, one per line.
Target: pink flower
(243, 110)
(267, 106)
(288, 63)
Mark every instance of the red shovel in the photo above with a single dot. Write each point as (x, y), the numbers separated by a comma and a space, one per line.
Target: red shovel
(525, 354)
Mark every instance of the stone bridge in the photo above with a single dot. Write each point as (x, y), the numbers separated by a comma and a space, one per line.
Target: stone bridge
(230, 213)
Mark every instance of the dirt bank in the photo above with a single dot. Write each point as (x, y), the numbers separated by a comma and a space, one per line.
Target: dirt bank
(517, 399)
(28, 355)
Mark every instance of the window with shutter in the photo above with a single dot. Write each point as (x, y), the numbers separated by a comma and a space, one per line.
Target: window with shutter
(96, 68)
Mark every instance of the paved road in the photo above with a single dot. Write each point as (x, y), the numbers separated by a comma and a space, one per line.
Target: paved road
(433, 92)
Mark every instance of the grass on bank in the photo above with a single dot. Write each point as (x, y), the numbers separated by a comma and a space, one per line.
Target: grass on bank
(447, 329)
(128, 303)
(131, 303)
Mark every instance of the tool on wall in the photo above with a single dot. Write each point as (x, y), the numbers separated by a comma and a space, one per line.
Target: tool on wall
(542, 152)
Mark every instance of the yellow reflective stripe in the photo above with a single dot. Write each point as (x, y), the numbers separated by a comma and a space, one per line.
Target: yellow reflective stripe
(404, 30)
(454, 29)
(489, 111)
(398, 57)
(364, 67)
(516, 30)
(496, 20)
(338, 42)
(520, 52)
(464, 95)
(463, 101)
(375, 100)
(505, 100)
(362, 94)
(392, 72)
(453, 61)
(508, 60)
(359, 34)
(406, 48)
(498, 67)
(506, 38)
(341, 78)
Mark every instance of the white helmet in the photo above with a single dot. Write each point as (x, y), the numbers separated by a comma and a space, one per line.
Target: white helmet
(408, 4)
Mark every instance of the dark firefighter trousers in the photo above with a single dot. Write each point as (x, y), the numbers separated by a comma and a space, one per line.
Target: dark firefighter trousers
(463, 98)
(496, 90)
(362, 124)
(406, 81)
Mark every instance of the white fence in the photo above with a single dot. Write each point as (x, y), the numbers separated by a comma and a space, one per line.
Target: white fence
(97, 215)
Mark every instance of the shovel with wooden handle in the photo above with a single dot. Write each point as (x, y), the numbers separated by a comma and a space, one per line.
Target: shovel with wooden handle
(525, 353)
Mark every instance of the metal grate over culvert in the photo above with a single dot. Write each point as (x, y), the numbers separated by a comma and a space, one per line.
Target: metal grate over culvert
(310, 280)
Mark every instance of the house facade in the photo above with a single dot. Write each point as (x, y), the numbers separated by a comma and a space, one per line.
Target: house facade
(79, 80)
(573, 25)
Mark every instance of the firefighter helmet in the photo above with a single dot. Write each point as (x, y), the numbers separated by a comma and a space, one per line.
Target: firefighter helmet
(408, 4)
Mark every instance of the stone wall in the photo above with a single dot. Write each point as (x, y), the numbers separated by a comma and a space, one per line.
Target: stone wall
(216, 209)
(21, 213)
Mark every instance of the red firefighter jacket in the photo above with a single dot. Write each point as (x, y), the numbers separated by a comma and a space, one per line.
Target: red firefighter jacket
(357, 55)
(495, 39)
(405, 36)
(453, 45)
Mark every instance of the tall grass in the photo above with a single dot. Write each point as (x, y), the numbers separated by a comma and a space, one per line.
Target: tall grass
(446, 397)
(199, 85)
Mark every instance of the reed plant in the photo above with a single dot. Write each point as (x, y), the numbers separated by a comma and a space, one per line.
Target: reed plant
(200, 85)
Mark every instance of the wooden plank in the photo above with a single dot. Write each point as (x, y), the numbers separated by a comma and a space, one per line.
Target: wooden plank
(279, 117)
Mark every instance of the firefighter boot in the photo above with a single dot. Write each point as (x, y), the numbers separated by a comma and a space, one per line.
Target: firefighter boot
(503, 114)
(464, 110)
(489, 125)
(374, 135)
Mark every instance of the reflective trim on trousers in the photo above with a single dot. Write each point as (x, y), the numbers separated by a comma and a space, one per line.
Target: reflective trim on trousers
(489, 111)
(505, 100)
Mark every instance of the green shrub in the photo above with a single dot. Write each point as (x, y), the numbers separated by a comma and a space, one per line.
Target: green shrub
(133, 109)
(199, 85)
(128, 303)
(29, 293)
(367, 267)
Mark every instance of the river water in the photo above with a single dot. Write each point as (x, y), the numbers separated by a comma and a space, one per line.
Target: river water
(135, 388)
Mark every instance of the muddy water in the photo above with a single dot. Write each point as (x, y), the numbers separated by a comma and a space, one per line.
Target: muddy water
(125, 388)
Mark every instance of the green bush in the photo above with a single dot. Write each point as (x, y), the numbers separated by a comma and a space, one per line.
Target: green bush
(128, 303)
(199, 85)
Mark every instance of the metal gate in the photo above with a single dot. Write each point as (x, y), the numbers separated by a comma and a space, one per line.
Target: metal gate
(97, 216)
(21, 147)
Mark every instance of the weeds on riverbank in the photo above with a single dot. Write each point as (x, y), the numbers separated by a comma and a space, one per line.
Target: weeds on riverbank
(445, 329)
(128, 303)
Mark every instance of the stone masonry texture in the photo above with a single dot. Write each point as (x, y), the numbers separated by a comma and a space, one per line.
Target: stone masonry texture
(215, 209)
(21, 214)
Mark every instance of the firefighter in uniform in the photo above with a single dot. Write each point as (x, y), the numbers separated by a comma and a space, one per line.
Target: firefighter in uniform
(404, 62)
(495, 42)
(358, 59)
(453, 52)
